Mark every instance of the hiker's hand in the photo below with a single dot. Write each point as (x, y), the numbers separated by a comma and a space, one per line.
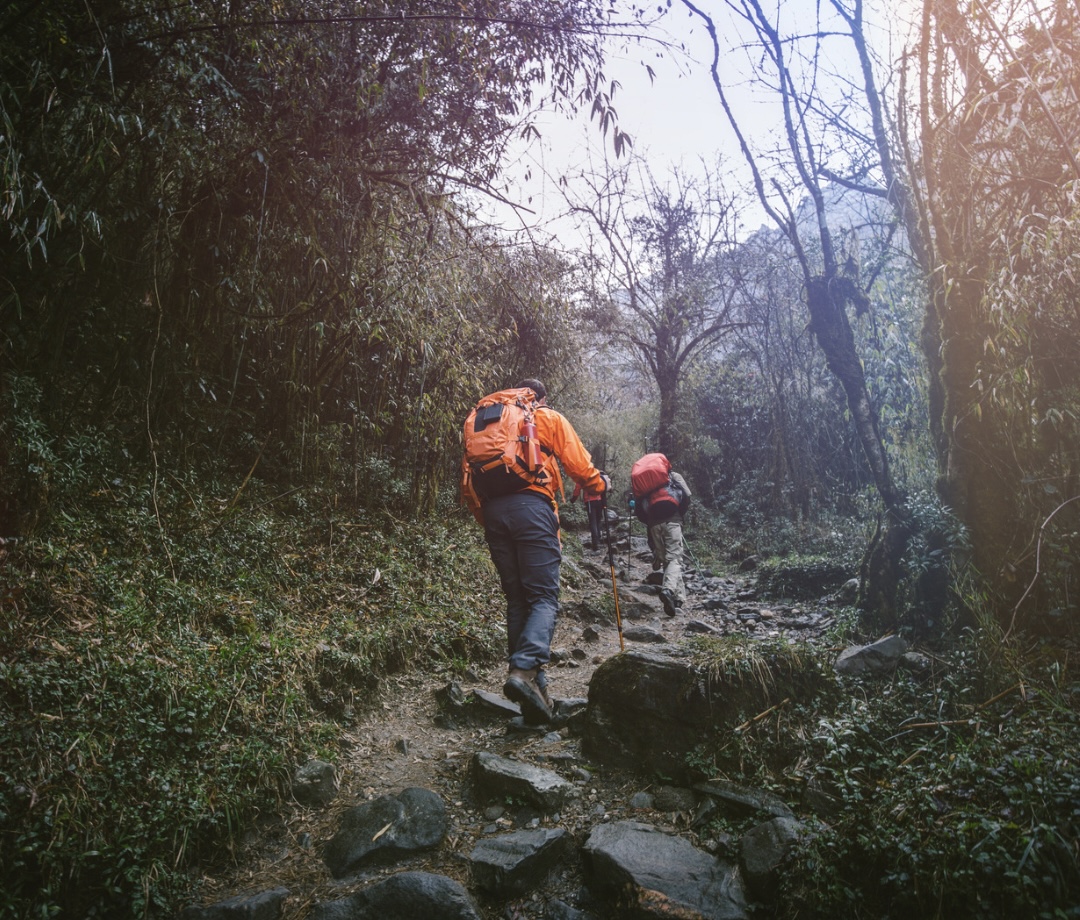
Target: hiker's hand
(606, 480)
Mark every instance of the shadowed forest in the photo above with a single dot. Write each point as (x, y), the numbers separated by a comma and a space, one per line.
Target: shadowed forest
(250, 288)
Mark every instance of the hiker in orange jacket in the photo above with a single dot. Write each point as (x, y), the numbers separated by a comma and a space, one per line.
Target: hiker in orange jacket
(522, 534)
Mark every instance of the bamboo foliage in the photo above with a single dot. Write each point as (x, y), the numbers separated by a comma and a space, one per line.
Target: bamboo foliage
(236, 225)
(993, 136)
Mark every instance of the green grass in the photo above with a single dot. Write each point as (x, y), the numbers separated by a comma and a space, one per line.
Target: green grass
(164, 673)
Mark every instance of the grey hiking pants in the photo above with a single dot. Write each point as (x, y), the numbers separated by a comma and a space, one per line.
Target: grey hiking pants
(522, 535)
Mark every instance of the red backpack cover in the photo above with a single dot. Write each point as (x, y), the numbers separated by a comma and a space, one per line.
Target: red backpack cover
(657, 497)
(648, 474)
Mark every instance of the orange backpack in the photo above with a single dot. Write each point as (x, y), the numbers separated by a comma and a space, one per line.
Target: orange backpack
(502, 454)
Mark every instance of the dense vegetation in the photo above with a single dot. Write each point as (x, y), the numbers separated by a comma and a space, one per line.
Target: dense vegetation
(946, 793)
(245, 302)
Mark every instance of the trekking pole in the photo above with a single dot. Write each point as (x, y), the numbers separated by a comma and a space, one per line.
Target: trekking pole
(690, 552)
(611, 563)
(630, 530)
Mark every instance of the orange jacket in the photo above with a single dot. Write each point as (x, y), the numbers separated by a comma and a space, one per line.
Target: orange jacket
(560, 444)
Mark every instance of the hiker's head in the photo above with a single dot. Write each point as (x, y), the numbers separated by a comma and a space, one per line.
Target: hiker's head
(536, 386)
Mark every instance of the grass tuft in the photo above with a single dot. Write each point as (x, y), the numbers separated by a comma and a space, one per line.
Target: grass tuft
(163, 674)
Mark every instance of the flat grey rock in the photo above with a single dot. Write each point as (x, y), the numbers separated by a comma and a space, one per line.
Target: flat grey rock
(649, 874)
(405, 896)
(497, 777)
(386, 828)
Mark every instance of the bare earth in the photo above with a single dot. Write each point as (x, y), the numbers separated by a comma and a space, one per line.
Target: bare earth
(407, 740)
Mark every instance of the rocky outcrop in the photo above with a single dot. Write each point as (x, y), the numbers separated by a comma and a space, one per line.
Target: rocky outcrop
(648, 708)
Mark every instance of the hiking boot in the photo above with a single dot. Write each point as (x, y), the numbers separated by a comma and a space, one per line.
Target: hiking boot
(521, 687)
(668, 600)
(546, 696)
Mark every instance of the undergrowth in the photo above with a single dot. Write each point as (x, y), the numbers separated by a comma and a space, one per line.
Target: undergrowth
(949, 793)
(170, 655)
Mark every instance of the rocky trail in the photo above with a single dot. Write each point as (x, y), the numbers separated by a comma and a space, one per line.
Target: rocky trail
(503, 820)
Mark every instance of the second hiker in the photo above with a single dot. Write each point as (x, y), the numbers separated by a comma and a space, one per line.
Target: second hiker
(661, 500)
(514, 443)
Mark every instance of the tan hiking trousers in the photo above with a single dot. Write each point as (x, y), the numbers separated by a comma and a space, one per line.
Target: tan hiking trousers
(667, 542)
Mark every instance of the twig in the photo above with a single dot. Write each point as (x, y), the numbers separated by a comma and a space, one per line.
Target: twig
(147, 408)
(941, 724)
(907, 760)
(232, 702)
(994, 699)
(224, 520)
(761, 715)
(1038, 565)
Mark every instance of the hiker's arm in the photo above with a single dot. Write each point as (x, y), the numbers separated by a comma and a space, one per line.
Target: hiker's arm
(558, 434)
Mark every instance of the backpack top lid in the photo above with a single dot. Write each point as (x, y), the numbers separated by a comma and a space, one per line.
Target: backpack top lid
(521, 397)
(649, 473)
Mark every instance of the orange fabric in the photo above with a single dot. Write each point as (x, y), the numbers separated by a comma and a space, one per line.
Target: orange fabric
(589, 496)
(557, 435)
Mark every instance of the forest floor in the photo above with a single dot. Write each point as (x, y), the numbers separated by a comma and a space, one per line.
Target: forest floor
(409, 739)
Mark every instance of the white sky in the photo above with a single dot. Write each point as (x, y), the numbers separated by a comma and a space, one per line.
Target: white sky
(675, 120)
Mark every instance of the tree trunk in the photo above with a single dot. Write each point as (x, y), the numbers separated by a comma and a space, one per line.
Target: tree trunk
(669, 404)
(881, 569)
(977, 477)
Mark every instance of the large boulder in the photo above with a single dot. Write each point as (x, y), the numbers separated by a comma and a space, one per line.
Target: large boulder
(646, 873)
(649, 707)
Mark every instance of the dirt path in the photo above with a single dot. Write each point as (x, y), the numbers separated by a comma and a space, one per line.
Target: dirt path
(410, 740)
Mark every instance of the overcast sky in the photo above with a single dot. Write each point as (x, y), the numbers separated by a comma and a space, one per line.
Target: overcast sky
(675, 120)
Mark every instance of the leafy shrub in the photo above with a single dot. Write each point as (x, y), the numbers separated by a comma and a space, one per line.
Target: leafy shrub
(936, 558)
